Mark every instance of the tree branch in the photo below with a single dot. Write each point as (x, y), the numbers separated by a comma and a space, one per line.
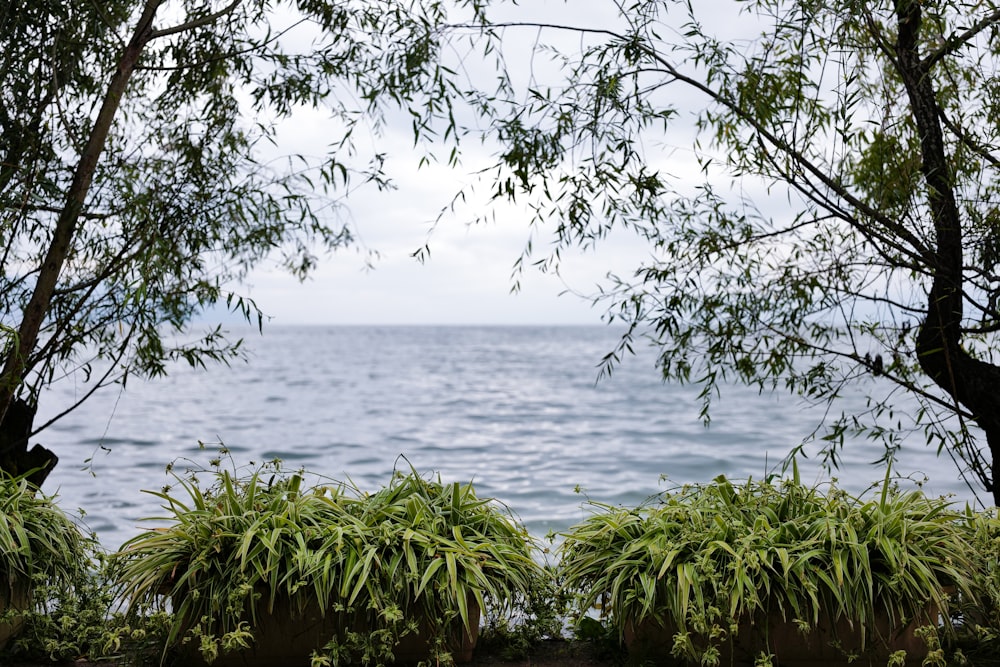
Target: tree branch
(196, 23)
(968, 141)
(956, 42)
(63, 234)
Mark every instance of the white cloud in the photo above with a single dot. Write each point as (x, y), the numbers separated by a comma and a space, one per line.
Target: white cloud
(467, 278)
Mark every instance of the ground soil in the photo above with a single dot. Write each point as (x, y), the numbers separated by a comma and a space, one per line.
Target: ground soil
(550, 653)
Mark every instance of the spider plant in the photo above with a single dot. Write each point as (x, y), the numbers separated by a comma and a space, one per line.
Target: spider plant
(715, 566)
(415, 556)
(978, 623)
(39, 545)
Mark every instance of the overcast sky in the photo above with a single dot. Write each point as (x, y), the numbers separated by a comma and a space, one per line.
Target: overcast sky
(467, 279)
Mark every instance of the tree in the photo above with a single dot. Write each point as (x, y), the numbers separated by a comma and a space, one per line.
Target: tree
(816, 181)
(136, 183)
(818, 185)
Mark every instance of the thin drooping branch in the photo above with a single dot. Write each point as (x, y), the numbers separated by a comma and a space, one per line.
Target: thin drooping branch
(764, 133)
(969, 141)
(73, 209)
(200, 22)
(955, 42)
(99, 384)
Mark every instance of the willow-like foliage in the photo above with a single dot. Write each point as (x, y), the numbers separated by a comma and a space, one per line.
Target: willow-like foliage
(817, 186)
(139, 183)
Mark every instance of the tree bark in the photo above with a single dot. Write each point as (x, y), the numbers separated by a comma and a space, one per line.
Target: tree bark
(15, 365)
(15, 457)
(969, 381)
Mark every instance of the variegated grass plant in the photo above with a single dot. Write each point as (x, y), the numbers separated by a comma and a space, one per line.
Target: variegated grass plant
(39, 546)
(417, 551)
(704, 560)
(979, 619)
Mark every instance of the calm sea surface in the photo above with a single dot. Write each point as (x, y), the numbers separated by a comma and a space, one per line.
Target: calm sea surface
(514, 409)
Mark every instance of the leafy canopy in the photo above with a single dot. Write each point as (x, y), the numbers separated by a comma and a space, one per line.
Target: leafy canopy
(140, 180)
(816, 183)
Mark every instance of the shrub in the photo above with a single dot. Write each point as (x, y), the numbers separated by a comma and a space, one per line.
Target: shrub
(705, 561)
(40, 546)
(253, 541)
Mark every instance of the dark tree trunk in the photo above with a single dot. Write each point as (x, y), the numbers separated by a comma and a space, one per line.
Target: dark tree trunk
(15, 457)
(973, 383)
(16, 365)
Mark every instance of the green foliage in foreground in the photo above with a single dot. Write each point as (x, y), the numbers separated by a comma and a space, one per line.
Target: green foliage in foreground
(705, 557)
(38, 542)
(83, 620)
(708, 558)
(978, 638)
(63, 605)
(255, 541)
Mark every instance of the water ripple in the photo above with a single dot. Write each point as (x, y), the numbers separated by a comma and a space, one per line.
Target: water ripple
(515, 409)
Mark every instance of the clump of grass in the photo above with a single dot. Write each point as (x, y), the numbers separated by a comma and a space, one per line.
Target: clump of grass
(978, 619)
(252, 542)
(705, 560)
(63, 606)
(38, 541)
(40, 546)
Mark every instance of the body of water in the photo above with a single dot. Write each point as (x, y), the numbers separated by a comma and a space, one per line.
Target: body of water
(514, 409)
